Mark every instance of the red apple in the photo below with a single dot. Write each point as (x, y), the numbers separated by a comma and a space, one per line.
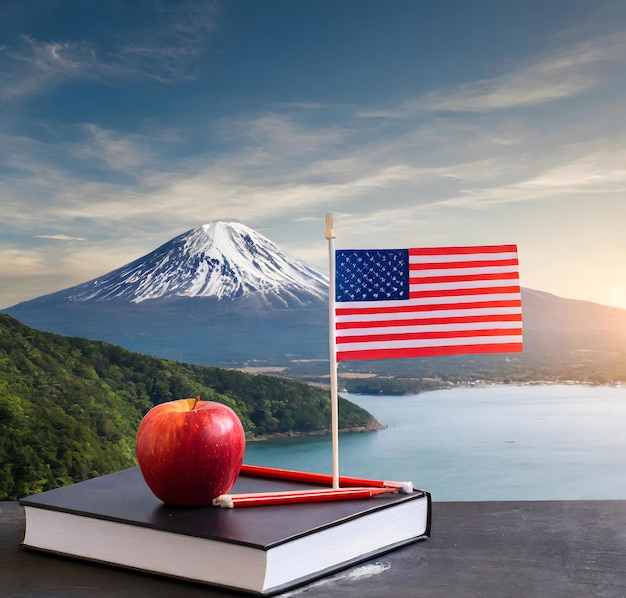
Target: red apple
(190, 451)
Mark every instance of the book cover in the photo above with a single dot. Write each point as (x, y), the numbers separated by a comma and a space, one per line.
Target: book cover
(116, 519)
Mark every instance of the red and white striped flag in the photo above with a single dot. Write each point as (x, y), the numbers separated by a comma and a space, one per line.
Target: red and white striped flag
(394, 303)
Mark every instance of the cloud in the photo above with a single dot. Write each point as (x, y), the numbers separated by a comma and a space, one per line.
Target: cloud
(60, 237)
(27, 272)
(113, 150)
(588, 172)
(17, 261)
(527, 89)
(278, 167)
(272, 137)
(164, 50)
(565, 73)
(36, 66)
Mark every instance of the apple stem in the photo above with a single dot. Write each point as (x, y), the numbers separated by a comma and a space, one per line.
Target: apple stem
(195, 402)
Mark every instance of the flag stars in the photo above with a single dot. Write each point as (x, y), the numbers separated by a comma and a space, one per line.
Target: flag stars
(371, 275)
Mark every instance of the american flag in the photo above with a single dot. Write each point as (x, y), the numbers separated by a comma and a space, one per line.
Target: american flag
(392, 303)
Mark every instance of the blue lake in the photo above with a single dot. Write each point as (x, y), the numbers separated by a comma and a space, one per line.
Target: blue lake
(489, 443)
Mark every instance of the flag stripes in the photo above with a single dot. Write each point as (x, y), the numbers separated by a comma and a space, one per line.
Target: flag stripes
(427, 302)
(468, 278)
(441, 350)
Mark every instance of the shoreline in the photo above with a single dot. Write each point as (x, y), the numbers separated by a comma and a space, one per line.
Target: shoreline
(371, 427)
(489, 384)
(377, 426)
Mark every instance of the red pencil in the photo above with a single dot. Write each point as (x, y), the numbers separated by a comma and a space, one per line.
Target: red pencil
(300, 492)
(298, 496)
(321, 478)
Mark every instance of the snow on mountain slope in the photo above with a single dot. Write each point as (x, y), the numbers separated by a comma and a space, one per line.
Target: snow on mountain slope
(222, 260)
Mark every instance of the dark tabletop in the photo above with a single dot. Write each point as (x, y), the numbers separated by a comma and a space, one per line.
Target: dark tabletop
(556, 549)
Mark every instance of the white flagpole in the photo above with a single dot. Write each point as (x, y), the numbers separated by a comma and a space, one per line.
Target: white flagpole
(334, 402)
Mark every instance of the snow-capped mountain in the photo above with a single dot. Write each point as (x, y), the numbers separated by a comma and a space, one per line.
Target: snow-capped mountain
(220, 293)
(221, 260)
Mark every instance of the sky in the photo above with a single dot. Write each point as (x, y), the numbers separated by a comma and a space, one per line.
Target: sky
(416, 123)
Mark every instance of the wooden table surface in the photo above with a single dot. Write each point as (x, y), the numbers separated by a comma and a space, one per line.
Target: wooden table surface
(556, 549)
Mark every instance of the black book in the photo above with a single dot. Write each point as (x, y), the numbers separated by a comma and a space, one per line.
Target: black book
(115, 519)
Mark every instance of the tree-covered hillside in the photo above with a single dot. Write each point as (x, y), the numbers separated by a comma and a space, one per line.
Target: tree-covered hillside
(70, 407)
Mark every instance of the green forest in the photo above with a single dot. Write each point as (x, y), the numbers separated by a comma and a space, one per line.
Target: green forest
(70, 407)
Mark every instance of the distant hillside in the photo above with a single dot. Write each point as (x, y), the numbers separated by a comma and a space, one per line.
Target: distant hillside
(70, 407)
(552, 322)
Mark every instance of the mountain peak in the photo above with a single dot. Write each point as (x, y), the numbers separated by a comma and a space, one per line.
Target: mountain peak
(225, 260)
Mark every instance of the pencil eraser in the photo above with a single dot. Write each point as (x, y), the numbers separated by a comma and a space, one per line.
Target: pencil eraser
(407, 487)
(226, 502)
